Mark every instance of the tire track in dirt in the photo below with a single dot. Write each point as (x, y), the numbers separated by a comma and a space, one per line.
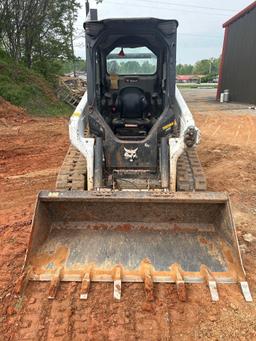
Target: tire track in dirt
(79, 319)
(44, 319)
(251, 133)
(60, 326)
(33, 322)
(109, 319)
(164, 312)
(233, 130)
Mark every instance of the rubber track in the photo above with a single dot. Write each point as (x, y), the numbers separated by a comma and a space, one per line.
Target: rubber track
(72, 173)
(190, 175)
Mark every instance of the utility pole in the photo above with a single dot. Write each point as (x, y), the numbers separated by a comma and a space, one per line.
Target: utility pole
(210, 66)
(71, 28)
(87, 10)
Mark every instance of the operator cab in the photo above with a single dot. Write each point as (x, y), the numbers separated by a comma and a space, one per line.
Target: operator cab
(131, 68)
(132, 101)
(132, 73)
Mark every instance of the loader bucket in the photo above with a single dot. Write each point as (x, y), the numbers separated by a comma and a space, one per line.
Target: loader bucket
(134, 237)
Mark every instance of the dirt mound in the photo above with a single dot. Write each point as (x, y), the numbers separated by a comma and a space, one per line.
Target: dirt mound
(11, 114)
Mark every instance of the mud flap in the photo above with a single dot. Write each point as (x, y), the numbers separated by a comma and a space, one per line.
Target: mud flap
(132, 236)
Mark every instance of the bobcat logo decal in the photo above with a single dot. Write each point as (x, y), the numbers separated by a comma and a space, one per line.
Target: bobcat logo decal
(130, 154)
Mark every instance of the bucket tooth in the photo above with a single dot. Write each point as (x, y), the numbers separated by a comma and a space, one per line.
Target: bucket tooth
(213, 290)
(146, 268)
(211, 283)
(117, 282)
(246, 291)
(180, 283)
(86, 281)
(55, 282)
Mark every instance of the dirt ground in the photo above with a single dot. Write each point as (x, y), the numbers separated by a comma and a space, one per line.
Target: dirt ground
(32, 149)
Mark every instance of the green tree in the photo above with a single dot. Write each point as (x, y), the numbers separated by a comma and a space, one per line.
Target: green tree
(184, 69)
(147, 68)
(38, 31)
(55, 39)
(129, 67)
(201, 67)
(67, 65)
(207, 66)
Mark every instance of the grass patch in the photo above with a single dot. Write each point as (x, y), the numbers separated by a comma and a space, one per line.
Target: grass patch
(197, 86)
(19, 303)
(28, 89)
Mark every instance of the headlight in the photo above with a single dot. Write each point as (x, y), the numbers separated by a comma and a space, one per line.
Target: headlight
(190, 136)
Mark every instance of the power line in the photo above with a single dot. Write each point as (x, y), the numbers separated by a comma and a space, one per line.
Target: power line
(161, 8)
(190, 6)
(199, 35)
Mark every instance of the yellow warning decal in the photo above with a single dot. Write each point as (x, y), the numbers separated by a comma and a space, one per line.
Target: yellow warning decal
(53, 194)
(169, 125)
(76, 114)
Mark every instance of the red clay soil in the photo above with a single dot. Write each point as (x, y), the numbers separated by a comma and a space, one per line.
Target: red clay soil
(31, 150)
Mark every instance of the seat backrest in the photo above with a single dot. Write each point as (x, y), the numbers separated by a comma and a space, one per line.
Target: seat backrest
(131, 102)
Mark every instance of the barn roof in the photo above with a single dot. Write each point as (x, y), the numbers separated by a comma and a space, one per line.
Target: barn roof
(240, 14)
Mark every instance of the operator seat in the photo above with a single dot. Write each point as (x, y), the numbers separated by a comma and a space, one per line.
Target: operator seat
(131, 105)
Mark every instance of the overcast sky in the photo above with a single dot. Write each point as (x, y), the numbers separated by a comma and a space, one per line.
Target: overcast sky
(200, 32)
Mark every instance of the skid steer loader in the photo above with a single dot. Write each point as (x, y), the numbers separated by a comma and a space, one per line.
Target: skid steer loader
(131, 203)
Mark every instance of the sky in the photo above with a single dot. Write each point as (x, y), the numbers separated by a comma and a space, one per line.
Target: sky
(200, 32)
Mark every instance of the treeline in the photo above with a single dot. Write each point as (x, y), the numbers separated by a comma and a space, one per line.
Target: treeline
(38, 33)
(72, 66)
(131, 67)
(202, 67)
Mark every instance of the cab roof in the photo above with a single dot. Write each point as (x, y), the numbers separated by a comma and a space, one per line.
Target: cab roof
(167, 26)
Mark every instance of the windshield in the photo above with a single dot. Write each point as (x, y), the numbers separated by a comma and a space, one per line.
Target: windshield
(131, 61)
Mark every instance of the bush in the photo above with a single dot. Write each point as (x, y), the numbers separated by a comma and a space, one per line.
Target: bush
(50, 70)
